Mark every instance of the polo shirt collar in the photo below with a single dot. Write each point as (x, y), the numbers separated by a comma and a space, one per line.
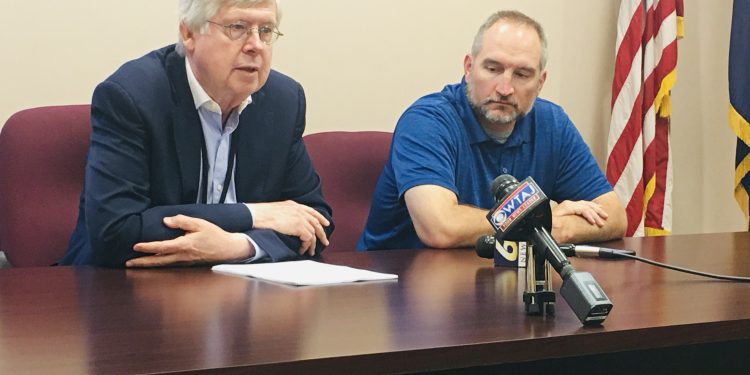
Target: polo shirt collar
(473, 129)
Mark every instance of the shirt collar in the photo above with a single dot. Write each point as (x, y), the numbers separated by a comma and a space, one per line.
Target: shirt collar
(473, 128)
(201, 98)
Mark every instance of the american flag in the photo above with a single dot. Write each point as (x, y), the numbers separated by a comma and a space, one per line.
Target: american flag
(639, 164)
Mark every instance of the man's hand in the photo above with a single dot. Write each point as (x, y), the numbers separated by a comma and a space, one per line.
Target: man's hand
(587, 221)
(293, 219)
(593, 212)
(203, 242)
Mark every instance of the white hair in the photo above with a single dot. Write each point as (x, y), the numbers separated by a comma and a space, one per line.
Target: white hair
(194, 14)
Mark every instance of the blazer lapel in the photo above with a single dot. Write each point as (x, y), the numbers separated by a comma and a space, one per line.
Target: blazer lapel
(254, 151)
(186, 129)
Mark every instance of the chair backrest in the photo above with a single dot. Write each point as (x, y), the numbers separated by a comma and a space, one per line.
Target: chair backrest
(349, 164)
(42, 159)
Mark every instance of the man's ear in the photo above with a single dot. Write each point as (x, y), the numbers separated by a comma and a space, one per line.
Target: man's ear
(187, 38)
(542, 79)
(468, 61)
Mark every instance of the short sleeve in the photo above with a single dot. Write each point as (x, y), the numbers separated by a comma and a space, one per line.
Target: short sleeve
(579, 176)
(424, 150)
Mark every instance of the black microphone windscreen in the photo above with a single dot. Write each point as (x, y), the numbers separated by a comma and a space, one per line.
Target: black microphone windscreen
(485, 247)
(503, 185)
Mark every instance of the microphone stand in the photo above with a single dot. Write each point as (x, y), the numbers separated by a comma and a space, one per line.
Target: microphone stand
(583, 294)
(538, 298)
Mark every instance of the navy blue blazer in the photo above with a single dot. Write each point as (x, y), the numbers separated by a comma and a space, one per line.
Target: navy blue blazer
(144, 162)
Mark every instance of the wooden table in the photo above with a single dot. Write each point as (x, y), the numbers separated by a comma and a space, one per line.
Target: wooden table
(449, 309)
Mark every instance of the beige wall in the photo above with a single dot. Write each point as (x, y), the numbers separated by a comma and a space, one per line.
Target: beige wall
(363, 62)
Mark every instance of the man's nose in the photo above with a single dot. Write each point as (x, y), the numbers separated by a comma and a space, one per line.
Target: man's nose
(253, 42)
(504, 84)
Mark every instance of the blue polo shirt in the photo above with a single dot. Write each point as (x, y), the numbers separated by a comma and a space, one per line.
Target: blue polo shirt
(438, 141)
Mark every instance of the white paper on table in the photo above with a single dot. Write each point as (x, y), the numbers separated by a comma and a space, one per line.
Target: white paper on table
(303, 272)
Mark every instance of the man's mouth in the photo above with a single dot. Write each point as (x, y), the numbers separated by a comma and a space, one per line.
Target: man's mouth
(500, 102)
(248, 69)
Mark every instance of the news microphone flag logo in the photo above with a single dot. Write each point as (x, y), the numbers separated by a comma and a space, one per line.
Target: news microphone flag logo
(523, 198)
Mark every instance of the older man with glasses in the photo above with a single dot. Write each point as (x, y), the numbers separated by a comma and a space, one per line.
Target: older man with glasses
(196, 154)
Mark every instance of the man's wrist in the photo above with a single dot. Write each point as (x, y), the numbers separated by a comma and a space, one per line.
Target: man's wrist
(255, 214)
(245, 248)
(257, 252)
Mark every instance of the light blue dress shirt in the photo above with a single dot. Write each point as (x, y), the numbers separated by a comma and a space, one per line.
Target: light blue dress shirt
(218, 139)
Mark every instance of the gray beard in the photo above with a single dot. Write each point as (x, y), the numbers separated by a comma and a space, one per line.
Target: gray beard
(483, 113)
(499, 120)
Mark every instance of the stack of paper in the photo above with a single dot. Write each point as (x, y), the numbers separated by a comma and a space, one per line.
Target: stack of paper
(303, 272)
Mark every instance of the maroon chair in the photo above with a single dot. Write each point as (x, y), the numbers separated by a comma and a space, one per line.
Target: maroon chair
(349, 165)
(42, 159)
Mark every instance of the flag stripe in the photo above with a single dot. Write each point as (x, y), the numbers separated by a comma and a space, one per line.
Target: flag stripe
(634, 208)
(625, 143)
(655, 211)
(629, 46)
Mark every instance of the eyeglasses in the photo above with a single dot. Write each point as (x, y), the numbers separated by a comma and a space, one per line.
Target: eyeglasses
(240, 31)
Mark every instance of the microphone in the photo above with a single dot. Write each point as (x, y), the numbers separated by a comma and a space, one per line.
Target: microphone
(584, 251)
(523, 211)
(485, 248)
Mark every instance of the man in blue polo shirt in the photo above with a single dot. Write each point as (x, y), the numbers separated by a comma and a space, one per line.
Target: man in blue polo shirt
(449, 146)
